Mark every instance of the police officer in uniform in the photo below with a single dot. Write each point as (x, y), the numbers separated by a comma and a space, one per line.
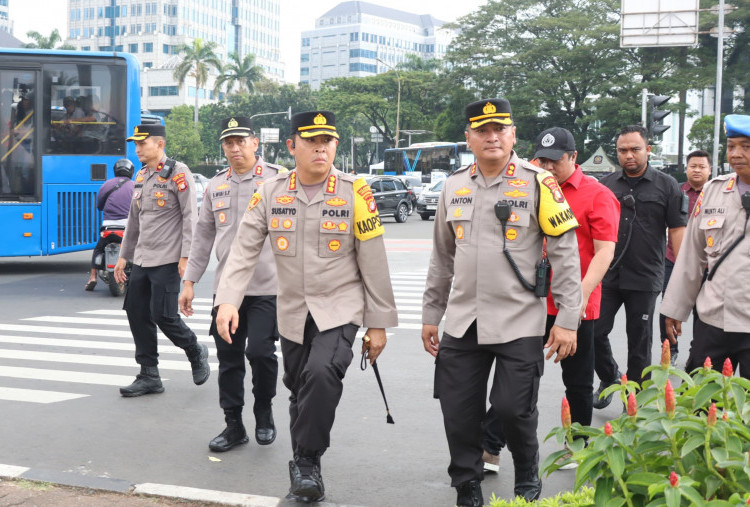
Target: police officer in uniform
(716, 249)
(327, 242)
(490, 224)
(157, 242)
(224, 203)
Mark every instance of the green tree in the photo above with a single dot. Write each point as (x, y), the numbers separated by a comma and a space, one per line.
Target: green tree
(42, 42)
(196, 63)
(183, 141)
(415, 62)
(554, 60)
(701, 135)
(239, 72)
(278, 99)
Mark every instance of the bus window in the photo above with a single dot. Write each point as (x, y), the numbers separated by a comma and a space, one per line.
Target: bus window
(19, 176)
(86, 108)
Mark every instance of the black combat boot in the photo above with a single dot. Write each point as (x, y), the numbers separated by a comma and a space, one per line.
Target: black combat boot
(198, 356)
(233, 435)
(528, 484)
(469, 494)
(306, 479)
(265, 430)
(146, 382)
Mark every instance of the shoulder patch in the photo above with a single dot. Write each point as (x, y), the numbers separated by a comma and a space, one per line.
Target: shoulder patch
(366, 218)
(254, 201)
(555, 215)
(698, 203)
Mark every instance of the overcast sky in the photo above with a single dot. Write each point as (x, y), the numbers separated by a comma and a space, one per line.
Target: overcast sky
(296, 16)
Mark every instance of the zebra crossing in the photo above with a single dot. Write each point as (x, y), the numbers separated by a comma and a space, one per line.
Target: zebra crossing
(56, 358)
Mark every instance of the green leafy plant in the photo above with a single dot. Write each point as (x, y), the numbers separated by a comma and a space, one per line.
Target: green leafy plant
(581, 498)
(671, 447)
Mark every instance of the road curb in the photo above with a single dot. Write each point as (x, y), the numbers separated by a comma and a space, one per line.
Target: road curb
(126, 487)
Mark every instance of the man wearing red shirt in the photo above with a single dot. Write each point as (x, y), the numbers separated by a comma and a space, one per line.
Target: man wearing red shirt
(598, 212)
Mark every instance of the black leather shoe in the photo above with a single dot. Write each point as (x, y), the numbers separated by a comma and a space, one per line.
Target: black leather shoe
(528, 485)
(469, 494)
(233, 435)
(146, 382)
(198, 356)
(306, 480)
(600, 403)
(265, 430)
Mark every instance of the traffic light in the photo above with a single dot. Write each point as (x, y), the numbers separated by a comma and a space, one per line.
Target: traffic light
(655, 127)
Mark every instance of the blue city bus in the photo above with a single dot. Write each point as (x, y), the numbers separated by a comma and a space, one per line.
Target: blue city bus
(427, 158)
(64, 117)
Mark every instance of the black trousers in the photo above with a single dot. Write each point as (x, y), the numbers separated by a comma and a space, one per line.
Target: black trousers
(577, 376)
(314, 373)
(462, 369)
(710, 341)
(255, 339)
(639, 324)
(151, 301)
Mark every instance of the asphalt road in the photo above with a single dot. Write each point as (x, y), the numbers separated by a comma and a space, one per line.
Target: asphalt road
(64, 352)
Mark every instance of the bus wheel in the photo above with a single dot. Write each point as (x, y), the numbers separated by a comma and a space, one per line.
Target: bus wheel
(402, 213)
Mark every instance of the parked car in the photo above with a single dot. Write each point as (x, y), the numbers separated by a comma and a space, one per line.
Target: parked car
(391, 196)
(413, 182)
(201, 182)
(427, 202)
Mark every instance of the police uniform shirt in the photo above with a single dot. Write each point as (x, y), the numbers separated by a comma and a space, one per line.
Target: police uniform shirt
(329, 253)
(658, 206)
(225, 201)
(160, 221)
(468, 252)
(716, 222)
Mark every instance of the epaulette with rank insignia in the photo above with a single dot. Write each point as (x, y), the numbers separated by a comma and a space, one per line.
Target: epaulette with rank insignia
(461, 169)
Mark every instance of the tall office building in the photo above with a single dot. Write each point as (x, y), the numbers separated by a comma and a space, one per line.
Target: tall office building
(152, 31)
(363, 39)
(6, 25)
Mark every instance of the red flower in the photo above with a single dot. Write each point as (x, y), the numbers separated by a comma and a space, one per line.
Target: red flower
(674, 479)
(707, 363)
(623, 379)
(565, 413)
(669, 398)
(632, 405)
(608, 429)
(665, 354)
(711, 419)
(725, 417)
(727, 371)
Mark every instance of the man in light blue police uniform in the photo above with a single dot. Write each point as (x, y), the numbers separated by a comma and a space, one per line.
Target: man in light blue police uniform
(716, 246)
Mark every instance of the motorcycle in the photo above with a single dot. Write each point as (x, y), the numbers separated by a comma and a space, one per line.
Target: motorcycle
(105, 262)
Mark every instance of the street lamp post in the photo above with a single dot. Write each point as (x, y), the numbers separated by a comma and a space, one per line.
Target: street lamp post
(717, 94)
(398, 98)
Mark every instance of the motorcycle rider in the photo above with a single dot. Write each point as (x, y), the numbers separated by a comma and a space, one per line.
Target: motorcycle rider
(113, 200)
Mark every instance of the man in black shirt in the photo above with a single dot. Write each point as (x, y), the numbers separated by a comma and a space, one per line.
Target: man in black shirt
(650, 202)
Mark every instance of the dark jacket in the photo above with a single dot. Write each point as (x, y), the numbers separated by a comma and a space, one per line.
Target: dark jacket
(117, 204)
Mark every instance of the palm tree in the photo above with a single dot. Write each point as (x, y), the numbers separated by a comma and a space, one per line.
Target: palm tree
(196, 62)
(42, 42)
(241, 73)
(414, 62)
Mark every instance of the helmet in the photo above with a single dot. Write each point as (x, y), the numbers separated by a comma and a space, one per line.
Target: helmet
(124, 167)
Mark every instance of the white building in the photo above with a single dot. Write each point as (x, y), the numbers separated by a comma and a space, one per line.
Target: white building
(152, 30)
(6, 25)
(357, 39)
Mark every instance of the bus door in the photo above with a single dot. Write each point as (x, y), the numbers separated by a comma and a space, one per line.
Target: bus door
(20, 174)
